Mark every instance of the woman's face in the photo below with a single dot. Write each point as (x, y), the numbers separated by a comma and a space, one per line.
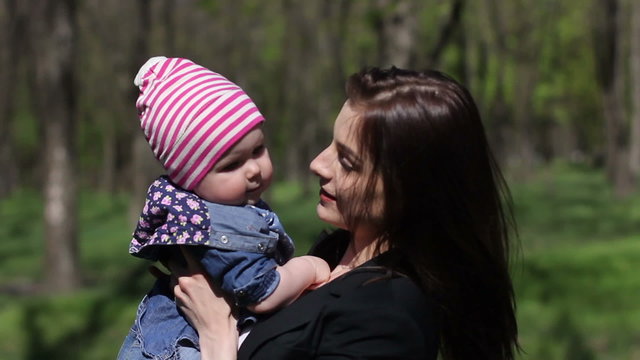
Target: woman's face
(343, 172)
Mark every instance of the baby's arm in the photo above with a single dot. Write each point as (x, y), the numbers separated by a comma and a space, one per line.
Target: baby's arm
(297, 275)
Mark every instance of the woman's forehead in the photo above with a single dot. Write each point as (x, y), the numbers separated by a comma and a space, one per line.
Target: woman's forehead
(346, 125)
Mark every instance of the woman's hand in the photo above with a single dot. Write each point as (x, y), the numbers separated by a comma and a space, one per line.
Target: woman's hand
(207, 310)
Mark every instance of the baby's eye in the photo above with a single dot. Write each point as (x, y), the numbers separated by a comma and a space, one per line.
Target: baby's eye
(259, 150)
(232, 166)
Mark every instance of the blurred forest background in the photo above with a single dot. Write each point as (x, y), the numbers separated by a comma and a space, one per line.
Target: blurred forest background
(557, 82)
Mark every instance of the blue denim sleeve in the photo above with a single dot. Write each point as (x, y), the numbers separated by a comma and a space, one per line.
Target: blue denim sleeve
(249, 277)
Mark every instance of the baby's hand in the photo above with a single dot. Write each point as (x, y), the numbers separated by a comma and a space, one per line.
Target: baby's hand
(323, 272)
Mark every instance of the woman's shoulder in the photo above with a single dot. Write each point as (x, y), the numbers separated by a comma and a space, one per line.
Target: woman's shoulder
(378, 285)
(373, 302)
(360, 314)
(383, 280)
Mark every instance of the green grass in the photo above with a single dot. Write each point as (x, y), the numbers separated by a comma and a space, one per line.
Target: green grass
(572, 205)
(576, 283)
(577, 287)
(92, 323)
(21, 231)
(581, 300)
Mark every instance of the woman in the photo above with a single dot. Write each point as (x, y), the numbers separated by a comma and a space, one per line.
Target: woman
(421, 264)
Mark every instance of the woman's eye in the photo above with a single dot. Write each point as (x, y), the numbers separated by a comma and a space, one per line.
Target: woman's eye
(345, 163)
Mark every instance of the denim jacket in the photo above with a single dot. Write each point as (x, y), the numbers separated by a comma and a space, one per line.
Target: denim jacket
(239, 247)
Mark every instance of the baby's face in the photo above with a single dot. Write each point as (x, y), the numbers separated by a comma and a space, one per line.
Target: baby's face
(241, 175)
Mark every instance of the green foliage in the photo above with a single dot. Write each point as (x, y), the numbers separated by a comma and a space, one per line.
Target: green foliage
(25, 134)
(21, 231)
(566, 91)
(104, 232)
(552, 38)
(89, 324)
(272, 52)
(568, 204)
(576, 284)
(92, 323)
(584, 297)
(576, 288)
(211, 6)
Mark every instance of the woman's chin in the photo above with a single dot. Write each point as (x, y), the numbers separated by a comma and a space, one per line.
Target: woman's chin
(330, 215)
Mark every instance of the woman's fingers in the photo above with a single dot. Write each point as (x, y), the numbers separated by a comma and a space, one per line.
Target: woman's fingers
(199, 300)
(207, 311)
(195, 281)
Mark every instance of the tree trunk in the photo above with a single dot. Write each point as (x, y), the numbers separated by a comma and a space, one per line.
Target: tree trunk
(610, 62)
(563, 142)
(105, 63)
(522, 110)
(300, 116)
(397, 32)
(498, 112)
(447, 32)
(634, 152)
(169, 26)
(107, 181)
(12, 36)
(143, 164)
(55, 40)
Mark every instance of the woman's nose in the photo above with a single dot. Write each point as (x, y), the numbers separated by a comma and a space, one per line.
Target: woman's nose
(319, 165)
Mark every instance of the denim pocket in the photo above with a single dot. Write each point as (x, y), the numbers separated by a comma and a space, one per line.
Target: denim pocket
(131, 348)
(162, 327)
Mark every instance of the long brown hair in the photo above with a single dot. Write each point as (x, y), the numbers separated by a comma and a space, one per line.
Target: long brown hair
(447, 208)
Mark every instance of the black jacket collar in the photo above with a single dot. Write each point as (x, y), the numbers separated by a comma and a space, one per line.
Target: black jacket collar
(306, 309)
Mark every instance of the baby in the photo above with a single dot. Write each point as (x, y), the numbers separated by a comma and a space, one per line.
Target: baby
(208, 135)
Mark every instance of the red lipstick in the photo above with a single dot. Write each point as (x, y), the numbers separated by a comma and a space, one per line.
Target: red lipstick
(326, 197)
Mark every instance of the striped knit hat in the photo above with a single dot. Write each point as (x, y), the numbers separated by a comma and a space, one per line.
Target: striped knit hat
(190, 116)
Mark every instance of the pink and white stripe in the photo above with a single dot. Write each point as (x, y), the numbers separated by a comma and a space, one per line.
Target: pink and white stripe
(191, 116)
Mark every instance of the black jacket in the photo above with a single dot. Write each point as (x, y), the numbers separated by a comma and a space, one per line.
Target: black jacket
(368, 313)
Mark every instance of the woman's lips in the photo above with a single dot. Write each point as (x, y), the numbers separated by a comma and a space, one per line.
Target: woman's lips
(326, 197)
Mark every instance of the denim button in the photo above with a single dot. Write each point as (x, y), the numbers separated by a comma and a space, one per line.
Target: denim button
(261, 247)
(241, 293)
(224, 239)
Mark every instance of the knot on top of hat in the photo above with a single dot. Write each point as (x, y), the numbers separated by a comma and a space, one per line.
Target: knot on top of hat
(144, 71)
